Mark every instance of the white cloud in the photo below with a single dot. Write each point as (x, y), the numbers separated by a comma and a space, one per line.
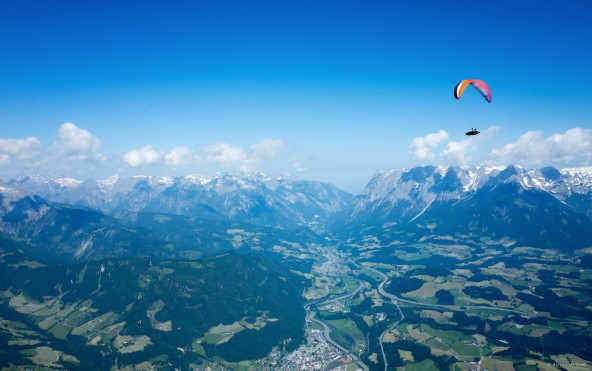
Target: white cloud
(298, 167)
(77, 144)
(421, 147)
(181, 156)
(20, 149)
(72, 146)
(77, 151)
(266, 149)
(456, 152)
(217, 153)
(573, 147)
(146, 155)
(224, 152)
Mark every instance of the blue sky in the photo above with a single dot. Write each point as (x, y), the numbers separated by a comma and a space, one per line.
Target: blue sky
(330, 91)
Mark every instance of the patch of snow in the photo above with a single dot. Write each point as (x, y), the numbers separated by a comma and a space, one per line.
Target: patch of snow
(165, 180)
(537, 182)
(442, 170)
(492, 169)
(198, 179)
(578, 171)
(109, 182)
(472, 184)
(68, 182)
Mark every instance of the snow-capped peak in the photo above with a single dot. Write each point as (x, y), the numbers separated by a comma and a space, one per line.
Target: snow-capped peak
(198, 179)
(410, 191)
(68, 182)
(108, 183)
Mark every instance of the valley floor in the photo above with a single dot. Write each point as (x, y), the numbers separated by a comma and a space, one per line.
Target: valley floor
(463, 308)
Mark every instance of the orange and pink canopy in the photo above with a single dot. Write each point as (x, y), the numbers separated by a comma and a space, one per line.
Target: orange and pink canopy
(480, 85)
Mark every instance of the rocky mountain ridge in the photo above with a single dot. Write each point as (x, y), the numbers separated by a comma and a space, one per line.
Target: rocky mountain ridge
(543, 207)
(418, 187)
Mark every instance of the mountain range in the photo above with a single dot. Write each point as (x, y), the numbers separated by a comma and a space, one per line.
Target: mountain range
(543, 207)
(253, 198)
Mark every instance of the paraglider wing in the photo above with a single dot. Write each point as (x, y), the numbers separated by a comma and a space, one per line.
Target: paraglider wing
(480, 85)
(460, 87)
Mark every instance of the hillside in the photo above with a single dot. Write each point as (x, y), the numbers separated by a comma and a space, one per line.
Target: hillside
(134, 310)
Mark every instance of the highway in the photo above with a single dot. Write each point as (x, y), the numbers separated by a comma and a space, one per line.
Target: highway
(394, 301)
(454, 308)
(311, 316)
